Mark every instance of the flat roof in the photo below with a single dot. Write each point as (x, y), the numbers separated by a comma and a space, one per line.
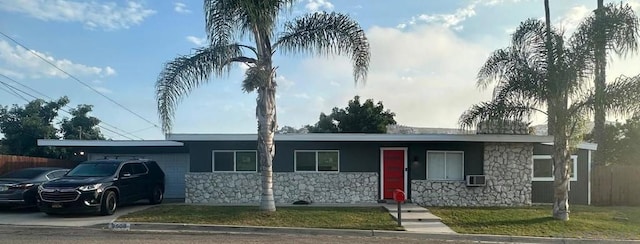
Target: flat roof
(366, 137)
(108, 143)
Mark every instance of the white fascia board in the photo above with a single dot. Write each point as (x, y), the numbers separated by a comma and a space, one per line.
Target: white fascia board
(367, 137)
(108, 143)
(582, 145)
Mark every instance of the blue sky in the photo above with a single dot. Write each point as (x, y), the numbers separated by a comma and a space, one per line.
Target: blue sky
(425, 55)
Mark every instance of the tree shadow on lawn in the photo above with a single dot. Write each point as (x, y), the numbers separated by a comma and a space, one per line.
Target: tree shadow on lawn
(513, 222)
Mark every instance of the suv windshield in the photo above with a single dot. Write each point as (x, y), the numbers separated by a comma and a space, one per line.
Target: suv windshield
(23, 174)
(94, 169)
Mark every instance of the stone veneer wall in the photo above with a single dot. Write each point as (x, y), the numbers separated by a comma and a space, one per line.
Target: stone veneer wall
(232, 187)
(507, 167)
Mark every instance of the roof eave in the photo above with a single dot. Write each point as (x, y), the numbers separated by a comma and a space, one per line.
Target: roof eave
(108, 143)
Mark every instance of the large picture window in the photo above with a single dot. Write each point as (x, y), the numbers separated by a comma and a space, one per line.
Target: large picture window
(445, 165)
(543, 168)
(317, 160)
(239, 160)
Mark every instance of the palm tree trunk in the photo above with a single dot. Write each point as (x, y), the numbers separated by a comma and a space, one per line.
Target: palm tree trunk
(600, 80)
(266, 113)
(557, 106)
(551, 119)
(561, 164)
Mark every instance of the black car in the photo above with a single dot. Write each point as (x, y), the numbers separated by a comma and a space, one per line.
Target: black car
(19, 187)
(101, 186)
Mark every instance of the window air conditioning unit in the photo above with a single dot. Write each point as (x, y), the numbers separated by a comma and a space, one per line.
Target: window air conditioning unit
(476, 180)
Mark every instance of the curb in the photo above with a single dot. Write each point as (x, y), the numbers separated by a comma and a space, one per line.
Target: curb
(233, 229)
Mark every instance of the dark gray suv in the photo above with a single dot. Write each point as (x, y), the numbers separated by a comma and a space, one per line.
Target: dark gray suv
(101, 186)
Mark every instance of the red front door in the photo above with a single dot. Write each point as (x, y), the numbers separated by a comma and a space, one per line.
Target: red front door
(392, 171)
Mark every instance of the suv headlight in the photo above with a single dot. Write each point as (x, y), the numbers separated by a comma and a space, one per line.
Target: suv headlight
(90, 187)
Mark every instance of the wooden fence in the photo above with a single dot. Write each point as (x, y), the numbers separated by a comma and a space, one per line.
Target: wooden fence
(616, 185)
(9, 163)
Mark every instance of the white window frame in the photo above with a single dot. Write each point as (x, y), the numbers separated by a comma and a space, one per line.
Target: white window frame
(575, 168)
(235, 165)
(445, 164)
(295, 161)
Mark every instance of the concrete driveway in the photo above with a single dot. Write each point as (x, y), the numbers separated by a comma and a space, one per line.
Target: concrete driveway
(33, 217)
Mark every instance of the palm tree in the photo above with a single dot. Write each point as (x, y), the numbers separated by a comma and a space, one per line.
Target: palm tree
(230, 21)
(611, 28)
(538, 69)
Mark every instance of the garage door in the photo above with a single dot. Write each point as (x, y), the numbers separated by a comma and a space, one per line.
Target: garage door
(174, 165)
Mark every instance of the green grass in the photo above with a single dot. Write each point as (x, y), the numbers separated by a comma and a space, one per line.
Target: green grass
(364, 218)
(585, 221)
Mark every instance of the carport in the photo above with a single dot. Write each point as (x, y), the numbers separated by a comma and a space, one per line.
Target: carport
(171, 156)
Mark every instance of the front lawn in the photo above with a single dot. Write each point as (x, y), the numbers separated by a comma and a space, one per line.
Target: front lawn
(364, 218)
(585, 221)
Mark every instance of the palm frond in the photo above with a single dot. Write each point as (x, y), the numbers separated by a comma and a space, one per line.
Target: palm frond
(221, 20)
(621, 28)
(495, 67)
(180, 76)
(256, 77)
(622, 97)
(495, 111)
(328, 34)
(229, 19)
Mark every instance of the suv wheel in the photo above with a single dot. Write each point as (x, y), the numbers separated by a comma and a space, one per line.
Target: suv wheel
(109, 203)
(156, 196)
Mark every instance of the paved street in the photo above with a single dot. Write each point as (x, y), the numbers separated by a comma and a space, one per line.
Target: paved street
(54, 235)
(34, 217)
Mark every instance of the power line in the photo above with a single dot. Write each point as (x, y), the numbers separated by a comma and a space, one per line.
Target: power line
(76, 79)
(25, 86)
(14, 89)
(10, 91)
(69, 107)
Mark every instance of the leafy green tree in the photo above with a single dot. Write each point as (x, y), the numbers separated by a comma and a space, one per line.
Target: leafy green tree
(540, 69)
(81, 126)
(291, 130)
(227, 22)
(357, 117)
(611, 28)
(622, 142)
(23, 126)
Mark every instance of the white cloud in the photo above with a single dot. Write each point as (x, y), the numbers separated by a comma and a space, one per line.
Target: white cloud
(181, 8)
(570, 21)
(425, 85)
(197, 40)
(318, 5)
(283, 82)
(11, 73)
(23, 62)
(452, 20)
(93, 14)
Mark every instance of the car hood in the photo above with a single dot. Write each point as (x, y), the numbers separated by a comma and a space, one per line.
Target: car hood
(11, 181)
(74, 181)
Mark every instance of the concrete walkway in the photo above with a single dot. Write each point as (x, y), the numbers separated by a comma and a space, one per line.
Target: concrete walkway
(418, 219)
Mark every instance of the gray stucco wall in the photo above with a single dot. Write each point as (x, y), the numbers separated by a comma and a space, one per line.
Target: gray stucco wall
(542, 191)
(507, 167)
